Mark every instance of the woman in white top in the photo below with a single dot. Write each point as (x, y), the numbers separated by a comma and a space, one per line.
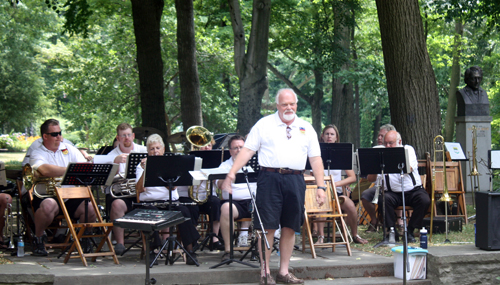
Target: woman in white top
(330, 134)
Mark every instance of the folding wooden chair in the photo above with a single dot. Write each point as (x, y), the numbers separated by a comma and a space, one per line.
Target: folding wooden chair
(85, 193)
(329, 210)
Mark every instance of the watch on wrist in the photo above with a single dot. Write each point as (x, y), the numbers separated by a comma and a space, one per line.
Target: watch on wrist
(322, 187)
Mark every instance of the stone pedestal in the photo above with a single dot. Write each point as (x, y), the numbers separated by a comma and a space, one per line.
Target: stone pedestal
(464, 137)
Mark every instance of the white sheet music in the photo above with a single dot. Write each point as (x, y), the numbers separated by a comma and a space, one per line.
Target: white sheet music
(203, 173)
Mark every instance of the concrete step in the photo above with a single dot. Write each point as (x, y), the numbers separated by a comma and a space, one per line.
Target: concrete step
(362, 281)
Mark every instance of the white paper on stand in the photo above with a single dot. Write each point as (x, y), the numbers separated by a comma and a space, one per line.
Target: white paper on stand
(203, 173)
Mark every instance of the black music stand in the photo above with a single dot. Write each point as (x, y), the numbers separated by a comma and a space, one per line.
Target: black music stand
(170, 171)
(387, 161)
(240, 177)
(87, 174)
(211, 159)
(133, 160)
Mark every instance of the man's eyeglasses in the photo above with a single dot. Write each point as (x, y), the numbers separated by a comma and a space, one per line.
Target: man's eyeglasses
(288, 134)
(55, 134)
(237, 148)
(126, 136)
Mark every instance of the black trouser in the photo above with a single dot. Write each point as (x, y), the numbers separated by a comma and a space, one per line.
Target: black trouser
(416, 198)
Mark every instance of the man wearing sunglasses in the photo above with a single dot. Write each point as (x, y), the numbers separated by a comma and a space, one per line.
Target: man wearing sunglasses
(120, 206)
(50, 159)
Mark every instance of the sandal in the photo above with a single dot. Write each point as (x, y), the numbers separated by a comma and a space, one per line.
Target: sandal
(320, 240)
(358, 239)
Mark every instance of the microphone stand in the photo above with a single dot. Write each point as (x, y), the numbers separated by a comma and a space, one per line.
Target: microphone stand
(406, 265)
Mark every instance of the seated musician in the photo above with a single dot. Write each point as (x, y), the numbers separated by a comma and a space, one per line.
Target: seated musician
(50, 159)
(415, 194)
(120, 206)
(210, 207)
(330, 134)
(5, 199)
(188, 232)
(241, 196)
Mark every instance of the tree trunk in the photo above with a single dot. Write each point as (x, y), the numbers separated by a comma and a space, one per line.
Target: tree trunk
(342, 94)
(449, 126)
(251, 66)
(317, 98)
(147, 16)
(188, 67)
(411, 83)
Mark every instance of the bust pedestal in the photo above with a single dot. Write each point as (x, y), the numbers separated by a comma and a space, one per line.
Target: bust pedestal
(464, 137)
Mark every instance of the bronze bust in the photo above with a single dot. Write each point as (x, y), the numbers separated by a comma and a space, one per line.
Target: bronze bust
(472, 100)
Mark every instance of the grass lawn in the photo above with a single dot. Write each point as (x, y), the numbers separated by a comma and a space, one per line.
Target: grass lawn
(12, 160)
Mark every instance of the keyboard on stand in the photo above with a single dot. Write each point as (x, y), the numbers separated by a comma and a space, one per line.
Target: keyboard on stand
(149, 220)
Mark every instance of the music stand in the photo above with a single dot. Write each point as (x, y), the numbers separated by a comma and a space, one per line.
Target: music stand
(87, 174)
(387, 161)
(211, 159)
(170, 171)
(240, 177)
(381, 161)
(133, 160)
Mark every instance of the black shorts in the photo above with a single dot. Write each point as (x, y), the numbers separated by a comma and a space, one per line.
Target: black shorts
(71, 205)
(280, 200)
(243, 207)
(128, 201)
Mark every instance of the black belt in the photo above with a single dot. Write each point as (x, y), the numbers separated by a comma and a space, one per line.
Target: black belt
(281, 170)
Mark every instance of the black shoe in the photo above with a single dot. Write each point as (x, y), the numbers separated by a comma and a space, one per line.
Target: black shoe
(86, 245)
(39, 247)
(411, 238)
(193, 260)
(217, 246)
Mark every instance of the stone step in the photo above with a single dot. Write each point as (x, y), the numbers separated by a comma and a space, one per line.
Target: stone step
(386, 280)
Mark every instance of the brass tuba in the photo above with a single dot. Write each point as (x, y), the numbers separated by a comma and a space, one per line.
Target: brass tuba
(199, 136)
(43, 187)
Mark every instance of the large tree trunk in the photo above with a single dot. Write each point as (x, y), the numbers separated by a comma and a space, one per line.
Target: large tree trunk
(188, 67)
(343, 94)
(449, 126)
(251, 66)
(147, 16)
(411, 83)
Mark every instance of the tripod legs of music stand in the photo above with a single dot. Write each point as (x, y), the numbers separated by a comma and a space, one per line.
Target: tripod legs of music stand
(231, 239)
(170, 245)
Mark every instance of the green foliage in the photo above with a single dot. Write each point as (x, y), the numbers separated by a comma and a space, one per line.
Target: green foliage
(22, 86)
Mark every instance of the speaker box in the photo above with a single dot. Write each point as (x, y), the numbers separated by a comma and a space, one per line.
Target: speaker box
(488, 220)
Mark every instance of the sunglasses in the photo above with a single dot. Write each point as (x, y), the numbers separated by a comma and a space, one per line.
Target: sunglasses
(55, 134)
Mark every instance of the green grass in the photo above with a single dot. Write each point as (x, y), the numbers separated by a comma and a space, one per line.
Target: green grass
(12, 160)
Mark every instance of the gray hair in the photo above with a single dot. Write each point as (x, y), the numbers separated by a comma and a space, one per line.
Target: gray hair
(285, 89)
(388, 127)
(155, 138)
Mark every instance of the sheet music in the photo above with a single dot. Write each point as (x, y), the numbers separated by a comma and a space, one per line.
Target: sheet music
(203, 174)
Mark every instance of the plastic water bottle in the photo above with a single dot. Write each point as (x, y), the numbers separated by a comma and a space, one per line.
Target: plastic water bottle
(392, 236)
(423, 238)
(20, 247)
